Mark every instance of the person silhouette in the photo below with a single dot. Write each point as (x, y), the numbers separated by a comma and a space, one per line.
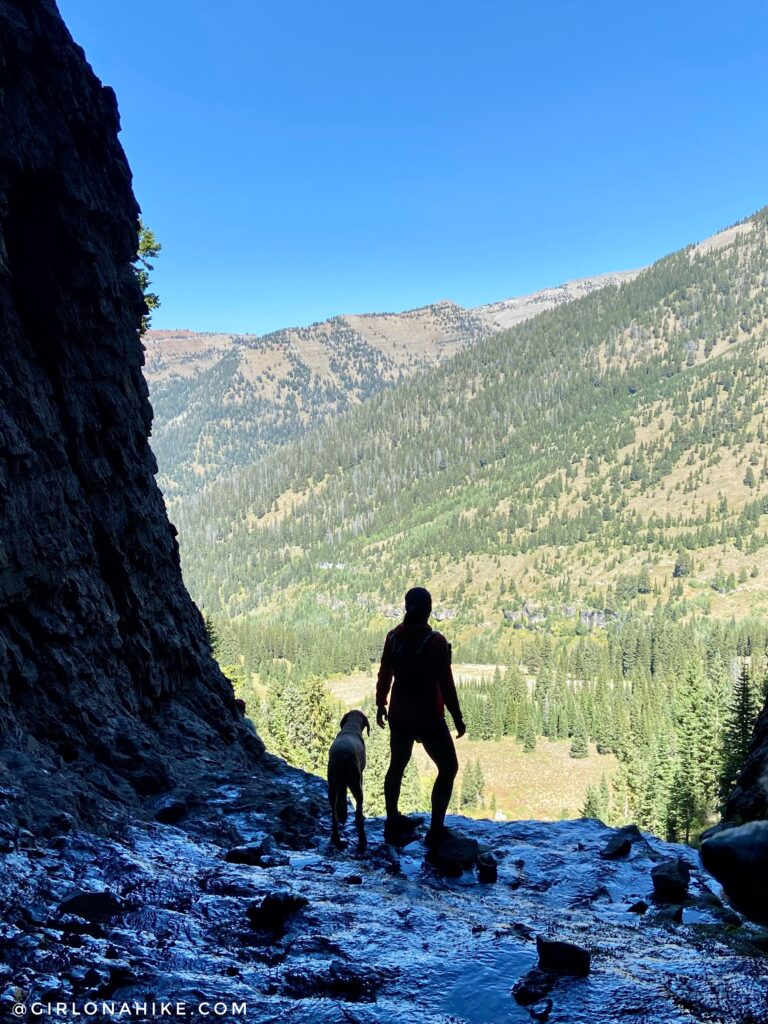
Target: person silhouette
(416, 665)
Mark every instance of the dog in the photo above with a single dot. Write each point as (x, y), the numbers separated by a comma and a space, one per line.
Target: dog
(346, 763)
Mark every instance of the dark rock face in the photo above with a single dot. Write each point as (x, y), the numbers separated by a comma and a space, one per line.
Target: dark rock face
(106, 677)
(749, 799)
(738, 858)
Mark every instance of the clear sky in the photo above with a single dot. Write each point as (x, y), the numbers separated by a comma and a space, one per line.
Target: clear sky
(301, 158)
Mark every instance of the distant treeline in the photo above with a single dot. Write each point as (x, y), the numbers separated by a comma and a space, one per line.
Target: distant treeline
(675, 701)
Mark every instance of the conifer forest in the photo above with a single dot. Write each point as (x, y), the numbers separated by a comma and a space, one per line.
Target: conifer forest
(584, 494)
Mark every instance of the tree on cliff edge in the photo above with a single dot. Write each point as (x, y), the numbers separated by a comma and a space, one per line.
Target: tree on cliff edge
(149, 247)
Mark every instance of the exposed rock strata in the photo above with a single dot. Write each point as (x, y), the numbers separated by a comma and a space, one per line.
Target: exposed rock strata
(106, 678)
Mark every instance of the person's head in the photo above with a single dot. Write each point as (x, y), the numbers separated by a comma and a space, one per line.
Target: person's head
(418, 605)
(240, 705)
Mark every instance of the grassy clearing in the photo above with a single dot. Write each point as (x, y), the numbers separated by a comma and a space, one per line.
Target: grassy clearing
(545, 785)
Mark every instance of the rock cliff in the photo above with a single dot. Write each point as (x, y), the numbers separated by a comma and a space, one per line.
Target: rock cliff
(107, 685)
(749, 800)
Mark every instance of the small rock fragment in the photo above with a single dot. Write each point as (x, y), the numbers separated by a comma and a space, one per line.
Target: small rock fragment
(669, 915)
(272, 913)
(638, 908)
(487, 868)
(541, 1011)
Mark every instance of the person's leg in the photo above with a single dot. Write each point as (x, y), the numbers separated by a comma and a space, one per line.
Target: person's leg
(400, 748)
(438, 744)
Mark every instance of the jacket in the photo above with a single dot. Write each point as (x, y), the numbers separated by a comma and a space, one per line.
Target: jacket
(439, 689)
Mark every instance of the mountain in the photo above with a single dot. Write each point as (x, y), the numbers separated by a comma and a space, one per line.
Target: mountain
(152, 857)
(223, 400)
(555, 463)
(586, 496)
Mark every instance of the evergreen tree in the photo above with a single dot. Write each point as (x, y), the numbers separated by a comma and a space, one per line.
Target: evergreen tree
(740, 720)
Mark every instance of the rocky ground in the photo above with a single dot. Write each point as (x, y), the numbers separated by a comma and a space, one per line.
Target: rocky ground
(239, 899)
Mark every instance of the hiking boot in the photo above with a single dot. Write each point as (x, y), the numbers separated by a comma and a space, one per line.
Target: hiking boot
(437, 835)
(399, 831)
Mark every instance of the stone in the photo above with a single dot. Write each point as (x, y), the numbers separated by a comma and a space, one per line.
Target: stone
(453, 855)
(562, 957)
(272, 912)
(670, 880)
(738, 858)
(99, 640)
(541, 1011)
(338, 981)
(93, 906)
(669, 915)
(258, 855)
(638, 908)
(487, 868)
(533, 987)
(620, 843)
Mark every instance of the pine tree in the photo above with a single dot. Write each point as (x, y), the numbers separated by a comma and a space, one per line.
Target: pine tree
(740, 720)
(579, 743)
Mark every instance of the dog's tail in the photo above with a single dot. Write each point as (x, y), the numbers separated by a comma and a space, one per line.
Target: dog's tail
(341, 804)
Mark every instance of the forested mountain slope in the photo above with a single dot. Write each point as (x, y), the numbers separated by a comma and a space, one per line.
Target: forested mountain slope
(223, 400)
(604, 452)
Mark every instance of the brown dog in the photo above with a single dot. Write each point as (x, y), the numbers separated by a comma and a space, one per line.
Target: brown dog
(346, 763)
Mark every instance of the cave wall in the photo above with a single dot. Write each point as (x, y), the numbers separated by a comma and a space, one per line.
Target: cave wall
(107, 684)
(749, 799)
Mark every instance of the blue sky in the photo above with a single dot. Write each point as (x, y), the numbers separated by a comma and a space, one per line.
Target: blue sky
(301, 159)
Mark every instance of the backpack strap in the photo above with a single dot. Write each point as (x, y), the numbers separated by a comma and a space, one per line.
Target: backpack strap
(419, 650)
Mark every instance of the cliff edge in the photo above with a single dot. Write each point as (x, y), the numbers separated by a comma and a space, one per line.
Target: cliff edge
(107, 683)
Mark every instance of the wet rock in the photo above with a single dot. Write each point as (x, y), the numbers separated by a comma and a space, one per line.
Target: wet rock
(738, 858)
(272, 912)
(454, 855)
(620, 843)
(669, 915)
(541, 1011)
(533, 987)
(337, 981)
(562, 957)
(93, 906)
(354, 879)
(260, 855)
(670, 880)
(487, 868)
(638, 908)
(172, 808)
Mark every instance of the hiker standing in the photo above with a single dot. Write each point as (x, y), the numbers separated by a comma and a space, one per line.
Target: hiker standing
(419, 659)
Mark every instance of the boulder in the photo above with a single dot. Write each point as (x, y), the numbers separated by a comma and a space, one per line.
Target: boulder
(738, 858)
(670, 880)
(621, 842)
(562, 957)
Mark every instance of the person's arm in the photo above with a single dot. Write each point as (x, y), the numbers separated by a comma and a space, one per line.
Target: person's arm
(384, 682)
(448, 688)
